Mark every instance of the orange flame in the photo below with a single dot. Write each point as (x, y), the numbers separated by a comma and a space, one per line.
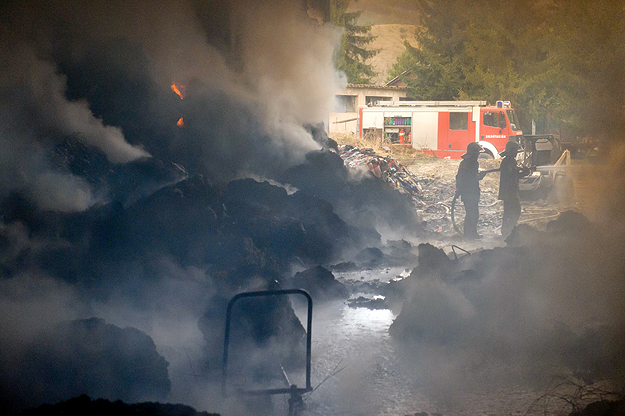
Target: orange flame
(180, 122)
(178, 89)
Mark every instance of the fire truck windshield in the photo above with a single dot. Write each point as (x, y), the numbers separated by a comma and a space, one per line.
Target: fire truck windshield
(514, 123)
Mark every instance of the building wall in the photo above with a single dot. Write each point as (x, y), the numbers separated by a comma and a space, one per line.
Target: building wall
(343, 120)
(342, 123)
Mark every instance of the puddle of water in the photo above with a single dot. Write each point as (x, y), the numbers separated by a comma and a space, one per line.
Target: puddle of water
(358, 370)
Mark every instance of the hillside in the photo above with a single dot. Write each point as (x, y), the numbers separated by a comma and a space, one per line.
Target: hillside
(393, 22)
(390, 40)
(386, 12)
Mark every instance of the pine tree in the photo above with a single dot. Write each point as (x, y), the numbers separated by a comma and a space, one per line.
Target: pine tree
(353, 54)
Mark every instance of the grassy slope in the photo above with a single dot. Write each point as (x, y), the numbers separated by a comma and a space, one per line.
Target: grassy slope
(393, 23)
(390, 40)
(386, 11)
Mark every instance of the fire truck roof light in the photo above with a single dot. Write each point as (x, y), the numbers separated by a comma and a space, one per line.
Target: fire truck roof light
(499, 104)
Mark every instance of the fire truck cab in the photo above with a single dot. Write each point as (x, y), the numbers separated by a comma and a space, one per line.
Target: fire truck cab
(443, 128)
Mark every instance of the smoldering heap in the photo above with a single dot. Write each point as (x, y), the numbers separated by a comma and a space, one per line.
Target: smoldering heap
(155, 162)
(546, 307)
(88, 355)
(83, 405)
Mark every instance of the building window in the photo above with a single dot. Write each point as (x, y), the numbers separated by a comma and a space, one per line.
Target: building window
(371, 99)
(458, 121)
(345, 104)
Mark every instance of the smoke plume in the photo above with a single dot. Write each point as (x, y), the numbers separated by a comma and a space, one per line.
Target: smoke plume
(101, 73)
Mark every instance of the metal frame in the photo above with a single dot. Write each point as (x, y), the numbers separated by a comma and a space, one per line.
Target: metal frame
(293, 390)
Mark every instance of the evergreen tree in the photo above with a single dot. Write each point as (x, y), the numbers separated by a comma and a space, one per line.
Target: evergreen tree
(555, 60)
(353, 54)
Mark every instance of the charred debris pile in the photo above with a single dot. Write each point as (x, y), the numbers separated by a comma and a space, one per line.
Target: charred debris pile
(385, 168)
(162, 226)
(431, 194)
(319, 216)
(545, 307)
(85, 356)
(248, 234)
(83, 405)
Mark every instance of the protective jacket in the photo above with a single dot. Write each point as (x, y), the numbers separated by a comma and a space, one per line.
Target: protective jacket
(510, 173)
(467, 179)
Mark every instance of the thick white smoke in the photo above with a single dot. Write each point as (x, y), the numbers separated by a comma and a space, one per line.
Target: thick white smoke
(532, 315)
(264, 59)
(35, 111)
(33, 93)
(255, 72)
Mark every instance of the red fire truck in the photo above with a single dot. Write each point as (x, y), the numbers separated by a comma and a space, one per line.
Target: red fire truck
(443, 128)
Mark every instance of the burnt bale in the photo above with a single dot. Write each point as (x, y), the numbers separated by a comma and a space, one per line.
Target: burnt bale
(124, 182)
(345, 266)
(366, 203)
(320, 283)
(287, 227)
(524, 235)
(83, 405)
(602, 408)
(432, 260)
(568, 223)
(181, 220)
(265, 333)
(434, 315)
(400, 252)
(370, 257)
(87, 357)
(132, 181)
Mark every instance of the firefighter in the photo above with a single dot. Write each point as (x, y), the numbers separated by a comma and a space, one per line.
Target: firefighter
(468, 188)
(510, 173)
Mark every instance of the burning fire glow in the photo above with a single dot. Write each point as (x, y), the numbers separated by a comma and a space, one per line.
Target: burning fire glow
(178, 89)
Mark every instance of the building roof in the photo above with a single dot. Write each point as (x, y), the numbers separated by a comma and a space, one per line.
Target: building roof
(376, 87)
(395, 81)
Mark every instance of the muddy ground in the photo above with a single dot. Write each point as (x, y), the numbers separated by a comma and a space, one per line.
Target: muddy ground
(436, 187)
(437, 177)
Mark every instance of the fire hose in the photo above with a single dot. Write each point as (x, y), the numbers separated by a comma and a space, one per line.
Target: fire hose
(453, 213)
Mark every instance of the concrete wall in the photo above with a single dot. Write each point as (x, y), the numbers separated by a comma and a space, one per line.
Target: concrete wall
(342, 123)
(361, 93)
(337, 124)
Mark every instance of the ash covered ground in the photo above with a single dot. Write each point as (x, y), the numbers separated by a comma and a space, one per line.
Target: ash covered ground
(430, 183)
(438, 183)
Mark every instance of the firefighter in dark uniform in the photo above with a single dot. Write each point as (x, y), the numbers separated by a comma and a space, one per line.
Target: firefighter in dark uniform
(468, 188)
(510, 173)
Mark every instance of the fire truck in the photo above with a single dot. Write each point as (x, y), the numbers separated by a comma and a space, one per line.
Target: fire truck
(442, 128)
